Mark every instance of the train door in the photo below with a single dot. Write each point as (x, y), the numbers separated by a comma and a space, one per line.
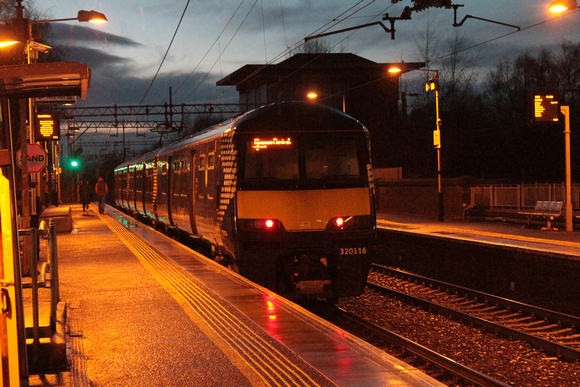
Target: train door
(163, 189)
(206, 195)
(192, 193)
(9, 349)
(155, 189)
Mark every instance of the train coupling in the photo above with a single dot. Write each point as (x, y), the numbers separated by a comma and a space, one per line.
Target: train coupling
(312, 287)
(310, 275)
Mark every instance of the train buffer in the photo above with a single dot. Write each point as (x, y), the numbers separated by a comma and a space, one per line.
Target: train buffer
(544, 209)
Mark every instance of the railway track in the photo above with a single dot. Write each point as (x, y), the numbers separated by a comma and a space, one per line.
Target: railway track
(436, 365)
(555, 333)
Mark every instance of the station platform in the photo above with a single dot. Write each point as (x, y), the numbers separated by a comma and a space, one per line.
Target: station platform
(498, 233)
(144, 310)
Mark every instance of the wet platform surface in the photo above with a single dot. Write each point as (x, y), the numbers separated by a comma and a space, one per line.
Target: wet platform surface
(143, 310)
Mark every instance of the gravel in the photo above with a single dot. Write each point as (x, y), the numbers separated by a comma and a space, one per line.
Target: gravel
(513, 362)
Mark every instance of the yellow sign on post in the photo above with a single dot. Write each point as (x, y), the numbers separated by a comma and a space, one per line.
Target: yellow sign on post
(437, 139)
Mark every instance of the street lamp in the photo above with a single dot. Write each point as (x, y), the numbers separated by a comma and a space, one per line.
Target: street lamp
(559, 6)
(22, 34)
(433, 84)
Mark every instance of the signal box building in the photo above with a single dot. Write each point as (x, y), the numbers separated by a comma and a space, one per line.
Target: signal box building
(358, 86)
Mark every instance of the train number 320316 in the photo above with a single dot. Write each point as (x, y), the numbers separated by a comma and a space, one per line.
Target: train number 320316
(353, 251)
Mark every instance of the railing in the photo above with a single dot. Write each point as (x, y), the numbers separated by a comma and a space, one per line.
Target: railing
(37, 331)
(521, 196)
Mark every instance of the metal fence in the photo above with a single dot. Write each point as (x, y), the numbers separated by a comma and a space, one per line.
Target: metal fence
(521, 195)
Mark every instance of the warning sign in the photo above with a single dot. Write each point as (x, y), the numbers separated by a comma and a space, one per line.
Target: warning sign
(36, 158)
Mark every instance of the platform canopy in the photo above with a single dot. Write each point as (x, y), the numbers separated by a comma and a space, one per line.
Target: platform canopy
(45, 80)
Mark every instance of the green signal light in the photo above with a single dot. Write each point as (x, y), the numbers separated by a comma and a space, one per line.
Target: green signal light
(74, 163)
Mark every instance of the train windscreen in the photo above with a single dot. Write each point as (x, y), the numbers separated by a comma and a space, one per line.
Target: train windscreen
(305, 160)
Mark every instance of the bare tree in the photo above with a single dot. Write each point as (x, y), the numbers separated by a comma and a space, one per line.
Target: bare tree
(317, 46)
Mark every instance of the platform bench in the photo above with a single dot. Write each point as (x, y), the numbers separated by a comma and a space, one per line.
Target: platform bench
(544, 209)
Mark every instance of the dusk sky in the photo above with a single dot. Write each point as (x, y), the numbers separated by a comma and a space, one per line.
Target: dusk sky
(217, 37)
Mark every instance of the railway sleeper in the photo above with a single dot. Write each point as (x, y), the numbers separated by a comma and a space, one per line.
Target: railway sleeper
(474, 307)
(453, 298)
(466, 303)
(557, 333)
(521, 319)
(528, 326)
(490, 311)
(540, 329)
(570, 337)
(428, 292)
(509, 317)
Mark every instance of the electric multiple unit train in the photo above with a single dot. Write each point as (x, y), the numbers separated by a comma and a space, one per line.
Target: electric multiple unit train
(282, 194)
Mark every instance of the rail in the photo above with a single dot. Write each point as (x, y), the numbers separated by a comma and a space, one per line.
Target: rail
(522, 196)
(550, 330)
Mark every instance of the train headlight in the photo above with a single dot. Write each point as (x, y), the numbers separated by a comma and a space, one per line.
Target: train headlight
(350, 223)
(267, 225)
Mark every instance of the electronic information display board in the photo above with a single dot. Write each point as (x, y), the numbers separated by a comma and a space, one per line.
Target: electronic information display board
(47, 127)
(546, 108)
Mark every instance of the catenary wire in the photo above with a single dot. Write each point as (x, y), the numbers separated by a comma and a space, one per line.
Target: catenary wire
(166, 52)
(213, 44)
(295, 46)
(224, 50)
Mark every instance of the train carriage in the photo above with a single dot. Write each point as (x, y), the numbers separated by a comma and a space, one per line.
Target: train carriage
(283, 194)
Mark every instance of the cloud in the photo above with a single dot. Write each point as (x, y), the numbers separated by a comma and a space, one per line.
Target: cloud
(74, 34)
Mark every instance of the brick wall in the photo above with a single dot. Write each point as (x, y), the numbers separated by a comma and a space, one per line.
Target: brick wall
(420, 197)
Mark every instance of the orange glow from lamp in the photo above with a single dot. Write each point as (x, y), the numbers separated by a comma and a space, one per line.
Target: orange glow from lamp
(7, 39)
(559, 6)
(312, 95)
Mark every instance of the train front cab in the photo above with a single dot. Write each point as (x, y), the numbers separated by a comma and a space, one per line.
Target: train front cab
(305, 209)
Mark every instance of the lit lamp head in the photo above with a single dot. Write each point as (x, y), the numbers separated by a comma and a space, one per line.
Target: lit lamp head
(562, 5)
(92, 17)
(312, 95)
(394, 70)
(7, 38)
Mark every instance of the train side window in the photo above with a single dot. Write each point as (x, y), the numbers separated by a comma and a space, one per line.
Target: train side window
(201, 177)
(210, 175)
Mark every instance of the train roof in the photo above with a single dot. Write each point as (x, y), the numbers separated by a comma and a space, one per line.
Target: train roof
(277, 117)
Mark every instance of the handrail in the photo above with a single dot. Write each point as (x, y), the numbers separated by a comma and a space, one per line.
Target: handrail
(50, 234)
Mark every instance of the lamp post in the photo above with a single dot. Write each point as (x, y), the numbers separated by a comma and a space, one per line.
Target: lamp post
(22, 35)
(22, 28)
(560, 6)
(433, 84)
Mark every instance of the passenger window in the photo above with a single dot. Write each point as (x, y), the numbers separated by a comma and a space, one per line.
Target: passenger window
(210, 175)
(201, 177)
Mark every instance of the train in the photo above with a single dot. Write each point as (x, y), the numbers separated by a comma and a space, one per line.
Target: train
(283, 194)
